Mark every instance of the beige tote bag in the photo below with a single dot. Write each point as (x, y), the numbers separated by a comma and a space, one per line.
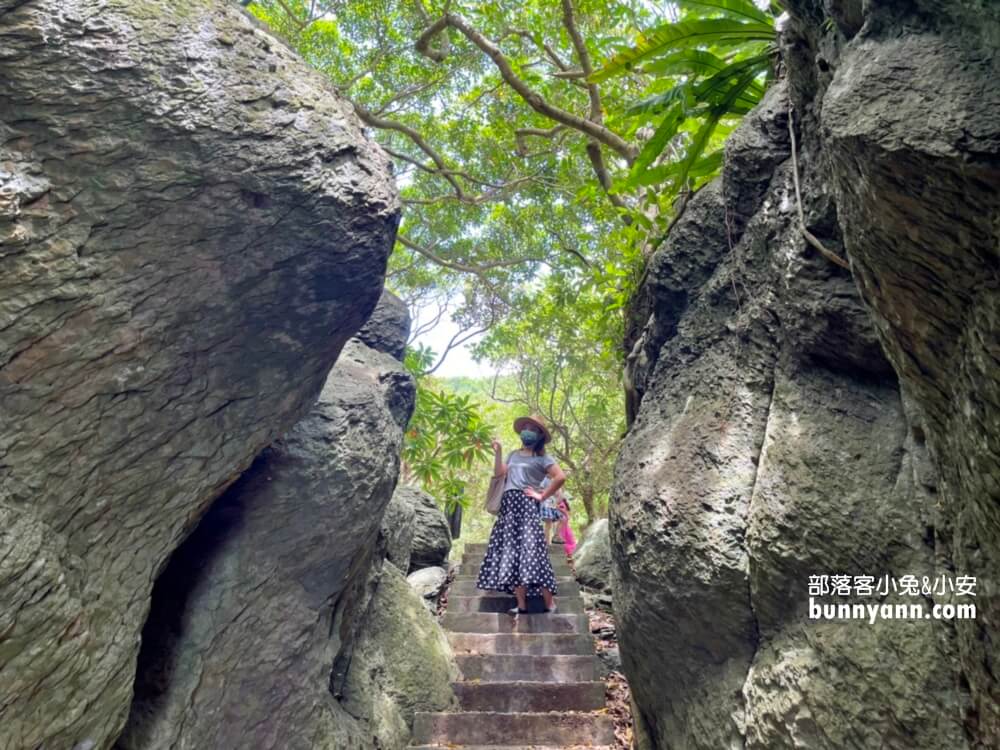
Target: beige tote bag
(494, 493)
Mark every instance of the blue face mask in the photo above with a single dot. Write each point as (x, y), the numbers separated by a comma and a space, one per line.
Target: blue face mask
(529, 437)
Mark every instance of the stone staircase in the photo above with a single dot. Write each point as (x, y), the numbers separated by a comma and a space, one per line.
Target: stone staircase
(525, 683)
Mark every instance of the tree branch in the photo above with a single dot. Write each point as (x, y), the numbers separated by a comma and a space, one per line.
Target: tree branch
(604, 177)
(569, 21)
(423, 328)
(809, 236)
(595, 130)
(478, 270)
(369, 118)
(455, 341)
(522, 133)
(544, 46)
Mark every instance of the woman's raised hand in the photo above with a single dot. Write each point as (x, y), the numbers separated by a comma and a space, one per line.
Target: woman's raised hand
(496, 446)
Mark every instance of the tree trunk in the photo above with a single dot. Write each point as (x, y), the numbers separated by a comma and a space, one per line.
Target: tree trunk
(587, 495)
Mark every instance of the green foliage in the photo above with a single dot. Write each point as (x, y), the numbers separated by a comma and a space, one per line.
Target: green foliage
(708, 70)
(446, 434)
(564, 369)
(532, 225)
(489, 192)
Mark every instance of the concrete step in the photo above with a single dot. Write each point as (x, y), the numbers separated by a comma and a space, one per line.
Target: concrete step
(554, 553)
(467, 587)
(479, 548)
(520, 668)
(537, 644)
(489, 622)
(506, 729)
(561, 580)
(452, 746)
(495, 603)
(559, 565)
(530, 697)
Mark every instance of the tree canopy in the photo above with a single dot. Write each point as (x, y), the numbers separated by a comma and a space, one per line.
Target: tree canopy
(542, 149)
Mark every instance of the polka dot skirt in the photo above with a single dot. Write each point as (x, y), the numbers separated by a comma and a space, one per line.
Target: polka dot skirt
(517, 554)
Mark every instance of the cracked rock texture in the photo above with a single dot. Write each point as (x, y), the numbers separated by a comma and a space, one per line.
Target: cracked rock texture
(402, 664)
(431, 535)
(254, 622)
(592, 558)
(917, 187)
(775, 440)
(398, 528)
(191, 226)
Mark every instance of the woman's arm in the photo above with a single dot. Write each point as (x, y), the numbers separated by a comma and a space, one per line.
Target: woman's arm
(499, 467)
(556, 480)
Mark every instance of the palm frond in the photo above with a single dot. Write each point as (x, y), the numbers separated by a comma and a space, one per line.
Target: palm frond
(663, 134)
(697, 148)
(686, 62)
(733, 8)
(714, 32)
(703, 167)
(659, 102)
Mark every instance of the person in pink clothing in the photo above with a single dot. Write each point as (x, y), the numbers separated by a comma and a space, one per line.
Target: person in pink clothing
(565, 531)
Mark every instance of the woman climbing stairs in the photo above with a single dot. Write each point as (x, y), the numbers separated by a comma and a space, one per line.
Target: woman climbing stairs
(529, 682)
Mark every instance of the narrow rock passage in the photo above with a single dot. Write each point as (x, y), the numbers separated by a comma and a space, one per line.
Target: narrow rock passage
(525, 683)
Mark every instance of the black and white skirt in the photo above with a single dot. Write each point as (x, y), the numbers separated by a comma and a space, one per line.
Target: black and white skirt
(517, 554)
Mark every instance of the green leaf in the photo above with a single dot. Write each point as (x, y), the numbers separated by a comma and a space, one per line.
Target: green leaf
(715, 32)
(685, 63)
(717, 87)
(701, 138)
(666, 130)
(733, 8)
(681, 93)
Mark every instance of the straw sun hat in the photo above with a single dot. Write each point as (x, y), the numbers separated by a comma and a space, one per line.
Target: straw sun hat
(534, 420)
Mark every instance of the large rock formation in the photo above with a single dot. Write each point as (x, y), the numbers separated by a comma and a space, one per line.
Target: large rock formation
(255, 620)
(772, 441)
(917, 186)
(431, 533)
(398, 528)
(402, 664)
(592, 558)
(191, 226)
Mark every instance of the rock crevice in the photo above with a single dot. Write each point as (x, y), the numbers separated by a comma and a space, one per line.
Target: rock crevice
(279, 623)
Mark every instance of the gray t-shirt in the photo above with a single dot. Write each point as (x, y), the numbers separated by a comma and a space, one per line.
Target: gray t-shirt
(526, 471)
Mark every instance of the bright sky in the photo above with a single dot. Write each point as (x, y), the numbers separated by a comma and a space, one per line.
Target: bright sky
(459, 361)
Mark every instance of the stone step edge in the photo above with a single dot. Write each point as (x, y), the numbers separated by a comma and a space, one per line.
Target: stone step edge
(548, 714)
(568, 604)
(471, 644)
(472, 577)
(597, 722)
(528, 685)
(451, 746)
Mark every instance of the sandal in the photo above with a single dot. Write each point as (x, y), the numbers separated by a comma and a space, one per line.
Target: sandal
(515, 611)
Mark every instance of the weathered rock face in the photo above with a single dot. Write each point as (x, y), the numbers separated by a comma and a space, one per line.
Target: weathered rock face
(592, 558)
(387, 330)
(264, 600)
(772, 441)
(431, 534)
(402, 664)
(398, 527)
(191, 226)
(428, 583)
(917, 187)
